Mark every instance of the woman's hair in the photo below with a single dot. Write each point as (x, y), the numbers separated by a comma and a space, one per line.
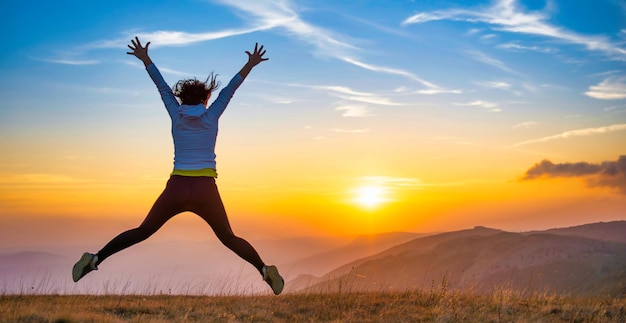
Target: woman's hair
(192, 91)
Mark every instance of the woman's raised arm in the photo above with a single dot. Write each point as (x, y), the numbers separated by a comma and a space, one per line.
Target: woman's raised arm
(253, 59)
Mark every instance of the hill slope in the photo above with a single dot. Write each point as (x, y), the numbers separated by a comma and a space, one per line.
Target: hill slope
(363, 246)
(485, 259)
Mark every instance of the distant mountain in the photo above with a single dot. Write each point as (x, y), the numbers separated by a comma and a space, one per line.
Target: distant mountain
(178, 266)
(33, 271)
(483, 260)
(360, 247)
(30, 259)
(609, 231)
(286, 250)
(586, 260)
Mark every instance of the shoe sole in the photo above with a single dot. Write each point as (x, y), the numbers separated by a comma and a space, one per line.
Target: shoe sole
(80, 265)
(277, 282)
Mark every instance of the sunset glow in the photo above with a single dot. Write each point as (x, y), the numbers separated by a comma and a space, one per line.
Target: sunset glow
(370, 196)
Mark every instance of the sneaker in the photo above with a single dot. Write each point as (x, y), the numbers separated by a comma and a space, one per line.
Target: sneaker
(273, 278)
(84, 265)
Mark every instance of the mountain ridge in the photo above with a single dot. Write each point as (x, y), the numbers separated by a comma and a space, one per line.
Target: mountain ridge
(482, 259)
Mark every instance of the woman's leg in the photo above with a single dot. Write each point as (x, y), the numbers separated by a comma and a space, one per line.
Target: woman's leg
(169, 203)
(207, 203)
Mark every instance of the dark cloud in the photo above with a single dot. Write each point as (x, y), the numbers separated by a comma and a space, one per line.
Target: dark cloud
(608, 173)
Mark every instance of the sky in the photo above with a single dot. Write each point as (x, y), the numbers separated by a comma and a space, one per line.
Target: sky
(369, 116)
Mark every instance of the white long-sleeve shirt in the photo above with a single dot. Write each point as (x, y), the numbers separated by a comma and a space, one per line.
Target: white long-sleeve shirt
(194, 127)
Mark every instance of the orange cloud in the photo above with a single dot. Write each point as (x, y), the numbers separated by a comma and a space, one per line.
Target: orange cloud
(608, 173)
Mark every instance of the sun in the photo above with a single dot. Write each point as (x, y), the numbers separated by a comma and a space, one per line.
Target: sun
(369, 196)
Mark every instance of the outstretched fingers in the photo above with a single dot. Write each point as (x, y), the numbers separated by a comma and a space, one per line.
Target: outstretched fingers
(136, 46)
(131, 48)
(139, 51)
(136, 42)
(259, 50)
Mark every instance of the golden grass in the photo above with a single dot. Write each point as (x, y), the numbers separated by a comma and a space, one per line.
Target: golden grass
(434, 306)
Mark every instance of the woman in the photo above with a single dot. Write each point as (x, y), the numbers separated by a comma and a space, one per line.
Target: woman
(191, 186)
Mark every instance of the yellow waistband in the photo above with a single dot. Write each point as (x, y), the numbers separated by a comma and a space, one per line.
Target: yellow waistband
(208, 172)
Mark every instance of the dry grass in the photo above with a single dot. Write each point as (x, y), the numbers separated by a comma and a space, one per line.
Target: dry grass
(434, 306)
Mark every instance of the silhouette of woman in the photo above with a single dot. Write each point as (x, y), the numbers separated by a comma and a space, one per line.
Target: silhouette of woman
(191, 186)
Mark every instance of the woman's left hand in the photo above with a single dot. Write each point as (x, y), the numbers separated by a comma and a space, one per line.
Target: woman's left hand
(257, 56)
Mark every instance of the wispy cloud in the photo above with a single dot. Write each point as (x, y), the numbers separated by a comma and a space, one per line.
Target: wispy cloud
(174, 72)
(486, 59)
(608, 173)
(431, 88)
(349, 94)
(482, 104)
(612, 88)
(614, 108)
(495, 84)
(507, 16)
(575, 133)
(514, 46)
(353, 131)
(355, 111)
(606, 74)
(280, 14)
(368, 22)
(172, 38)
(488, 36)
(371, 100)
(408, 183)
(135, 63)
(157, 38)
(68, 61)
(525, 125)
(388, 181)
(498, 85)
(93, 89)
(337, 89)
(439, 91)
(472, 32)
(277, 99)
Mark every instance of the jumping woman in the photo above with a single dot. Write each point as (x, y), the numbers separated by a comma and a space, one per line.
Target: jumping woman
(191, 186)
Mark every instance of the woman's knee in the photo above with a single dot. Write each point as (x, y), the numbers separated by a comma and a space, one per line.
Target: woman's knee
(227, 238)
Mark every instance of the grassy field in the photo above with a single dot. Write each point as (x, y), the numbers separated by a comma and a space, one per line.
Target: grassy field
(338, 307)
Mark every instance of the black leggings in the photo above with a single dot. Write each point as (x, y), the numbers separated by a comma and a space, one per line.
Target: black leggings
(185, 193)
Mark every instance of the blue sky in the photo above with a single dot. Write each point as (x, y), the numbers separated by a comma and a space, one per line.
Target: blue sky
(371, 55)
(466, 91)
